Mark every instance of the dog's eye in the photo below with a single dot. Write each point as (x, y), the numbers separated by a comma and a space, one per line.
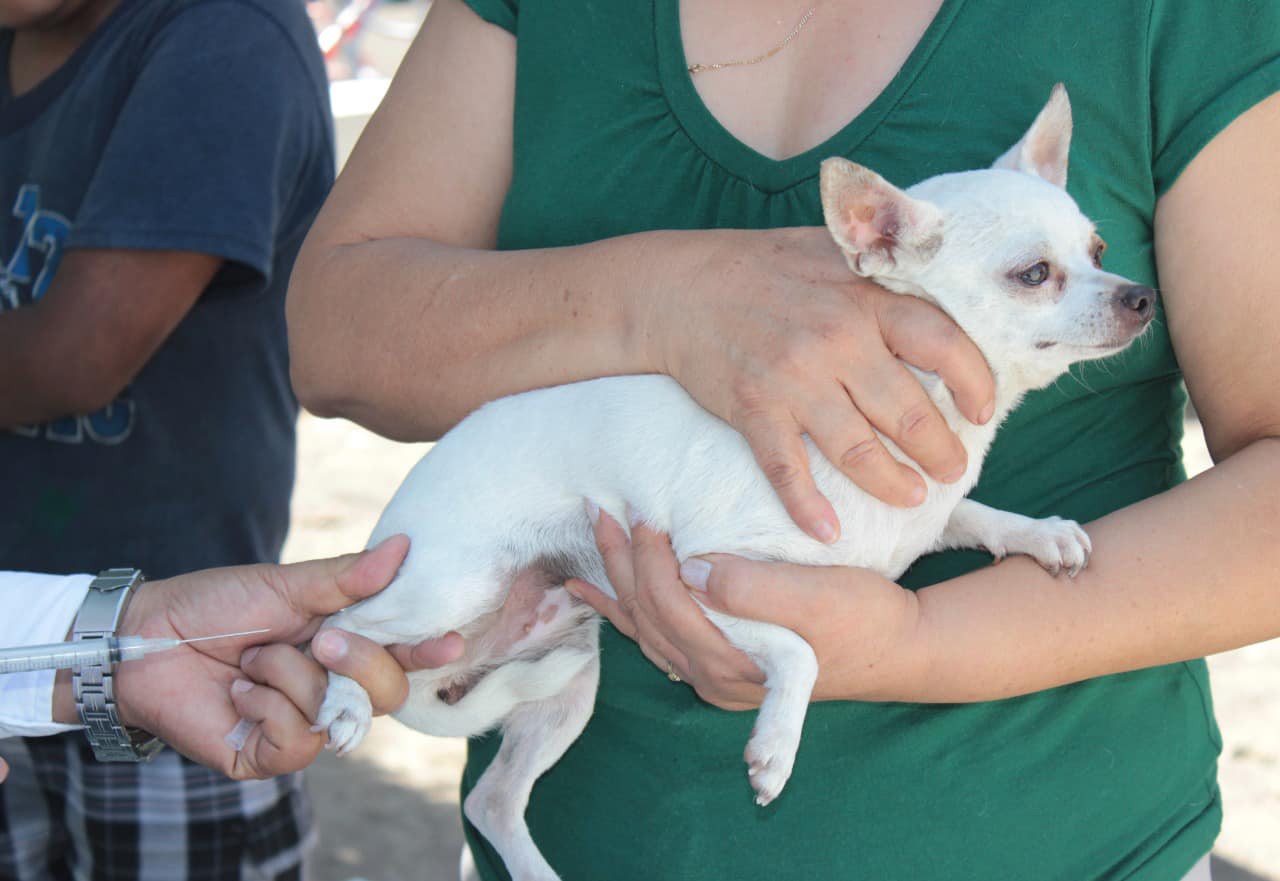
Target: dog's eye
(1098, 251)
(1035, 276)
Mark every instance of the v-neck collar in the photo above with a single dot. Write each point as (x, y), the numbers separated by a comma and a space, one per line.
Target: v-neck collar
(764, 172)
(17, 112)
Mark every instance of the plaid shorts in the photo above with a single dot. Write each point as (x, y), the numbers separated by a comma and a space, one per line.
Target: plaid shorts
(66, 817)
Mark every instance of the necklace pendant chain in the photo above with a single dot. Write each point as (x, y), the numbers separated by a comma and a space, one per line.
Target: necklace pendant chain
(695, 69)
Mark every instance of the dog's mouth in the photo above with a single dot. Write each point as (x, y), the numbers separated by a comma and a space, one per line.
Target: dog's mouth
(1107, 348)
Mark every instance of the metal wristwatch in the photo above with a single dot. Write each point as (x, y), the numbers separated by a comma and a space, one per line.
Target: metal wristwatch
(93, 685)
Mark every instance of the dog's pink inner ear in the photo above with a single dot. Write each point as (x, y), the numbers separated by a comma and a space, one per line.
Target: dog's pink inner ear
(875, 223)
(870, 227)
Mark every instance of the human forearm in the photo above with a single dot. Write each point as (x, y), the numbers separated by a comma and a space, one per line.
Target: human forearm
(104, 315)
(458, 327)
(49, 376)
(408, 335)
(37, 389)
(1182, 575)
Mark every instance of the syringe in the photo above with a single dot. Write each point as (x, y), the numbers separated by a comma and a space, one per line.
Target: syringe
(108, 650)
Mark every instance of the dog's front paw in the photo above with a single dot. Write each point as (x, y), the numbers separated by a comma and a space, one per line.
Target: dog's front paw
(346, 713)
(1054, 543)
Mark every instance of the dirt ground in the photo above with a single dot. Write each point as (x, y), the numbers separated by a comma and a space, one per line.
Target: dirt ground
(389, 811)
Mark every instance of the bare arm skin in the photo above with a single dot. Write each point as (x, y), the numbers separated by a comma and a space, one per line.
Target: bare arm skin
(103, 317)
(404, 318)
(1184, 574)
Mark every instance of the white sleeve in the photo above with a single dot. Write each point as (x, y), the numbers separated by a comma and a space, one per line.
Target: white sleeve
(34, 609)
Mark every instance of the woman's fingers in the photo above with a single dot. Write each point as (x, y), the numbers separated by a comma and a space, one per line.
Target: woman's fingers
(625, 612)
(655, 609)
(897, 404)
(776, 441)
(849, 442)
(927, 338)
(604, 604)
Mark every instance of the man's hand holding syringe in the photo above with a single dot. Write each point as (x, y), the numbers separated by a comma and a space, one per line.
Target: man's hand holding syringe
(244, 700)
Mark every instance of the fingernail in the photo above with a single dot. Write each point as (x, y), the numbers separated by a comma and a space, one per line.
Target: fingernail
(330, 645)
(239, 735)
(695, 572)
(573, 590)
(951, 477)
(918, 496)
(987, 412)
(825, 531)
(249, 655)
(240, 686)
(593, 512)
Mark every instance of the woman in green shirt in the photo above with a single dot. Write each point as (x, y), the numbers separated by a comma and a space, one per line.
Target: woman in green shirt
(548, 194)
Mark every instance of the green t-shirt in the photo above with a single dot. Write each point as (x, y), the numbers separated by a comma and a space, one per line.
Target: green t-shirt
(1113, 778)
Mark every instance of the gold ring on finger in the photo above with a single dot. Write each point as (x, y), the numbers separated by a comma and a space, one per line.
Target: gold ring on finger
(671, 673)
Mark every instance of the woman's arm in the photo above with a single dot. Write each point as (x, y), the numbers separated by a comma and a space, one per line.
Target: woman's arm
(1194, 570)
(404, 318)
(1184, 574)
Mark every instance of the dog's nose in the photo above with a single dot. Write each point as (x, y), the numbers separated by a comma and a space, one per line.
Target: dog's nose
(1137, 301)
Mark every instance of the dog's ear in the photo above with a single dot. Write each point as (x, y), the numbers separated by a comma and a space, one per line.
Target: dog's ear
(877, 225)
(1043, 149)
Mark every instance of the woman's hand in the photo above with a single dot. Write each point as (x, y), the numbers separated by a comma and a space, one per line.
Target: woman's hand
(777, 336)
(863, 627)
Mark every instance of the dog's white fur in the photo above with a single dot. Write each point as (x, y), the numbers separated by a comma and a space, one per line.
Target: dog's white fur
(496, 510)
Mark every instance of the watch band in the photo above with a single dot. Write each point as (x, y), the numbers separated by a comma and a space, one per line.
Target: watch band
(93, 684)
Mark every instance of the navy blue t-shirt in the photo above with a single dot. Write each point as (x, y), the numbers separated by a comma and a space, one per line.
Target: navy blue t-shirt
(187, 125)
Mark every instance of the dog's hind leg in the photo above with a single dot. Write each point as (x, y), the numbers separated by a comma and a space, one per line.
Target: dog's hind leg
(535, 736)
(790, 668)
(346, 713)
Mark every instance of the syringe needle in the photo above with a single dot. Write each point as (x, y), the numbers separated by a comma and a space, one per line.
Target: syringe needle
(225, 635)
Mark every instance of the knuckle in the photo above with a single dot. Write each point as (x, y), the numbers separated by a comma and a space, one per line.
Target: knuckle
(860, 455)
(781, 472)
(918, 421)
(751, 396)
(628, 606)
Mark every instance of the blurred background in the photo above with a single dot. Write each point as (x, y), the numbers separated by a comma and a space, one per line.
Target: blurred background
(389, 812)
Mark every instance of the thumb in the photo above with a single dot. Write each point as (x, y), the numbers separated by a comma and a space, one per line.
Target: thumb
(322, 587)
(780, 593)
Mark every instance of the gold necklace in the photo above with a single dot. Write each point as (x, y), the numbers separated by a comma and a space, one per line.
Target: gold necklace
(695, 69)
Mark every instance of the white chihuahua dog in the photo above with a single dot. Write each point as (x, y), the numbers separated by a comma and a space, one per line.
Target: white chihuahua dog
(497, 517)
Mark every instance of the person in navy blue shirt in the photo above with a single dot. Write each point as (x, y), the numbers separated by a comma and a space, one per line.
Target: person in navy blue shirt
(160, 162)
